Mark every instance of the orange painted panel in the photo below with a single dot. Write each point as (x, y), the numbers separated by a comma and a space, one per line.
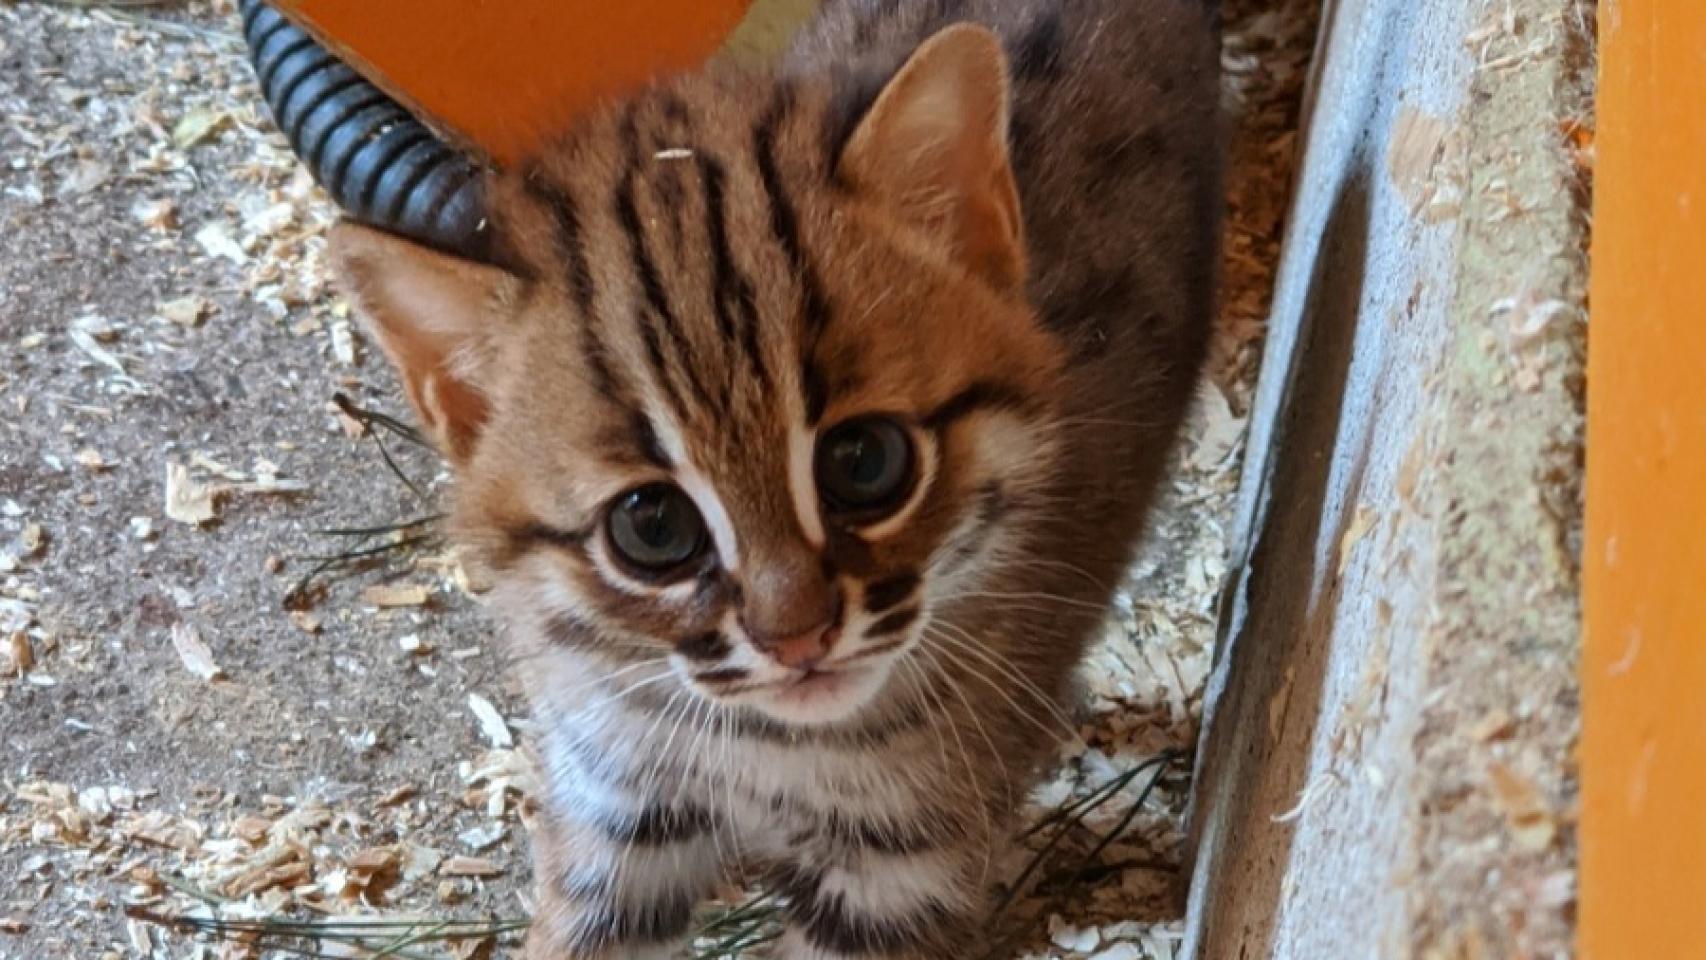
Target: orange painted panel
(499, 74)
(1643, 830)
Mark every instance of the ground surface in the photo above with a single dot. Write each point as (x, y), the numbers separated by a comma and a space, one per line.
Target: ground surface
(162, 308)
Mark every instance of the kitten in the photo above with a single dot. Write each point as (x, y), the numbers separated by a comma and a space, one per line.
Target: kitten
(805, 427)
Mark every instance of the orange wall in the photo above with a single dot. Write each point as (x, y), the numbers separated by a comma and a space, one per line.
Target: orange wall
(1643, 837)
(498, 74)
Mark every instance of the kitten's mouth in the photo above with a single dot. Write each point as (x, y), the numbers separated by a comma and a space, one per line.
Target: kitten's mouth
(817, 686)
(822, 693)
(826, 693)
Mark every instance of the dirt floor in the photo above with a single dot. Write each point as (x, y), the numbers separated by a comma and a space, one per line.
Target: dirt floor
(178, 740)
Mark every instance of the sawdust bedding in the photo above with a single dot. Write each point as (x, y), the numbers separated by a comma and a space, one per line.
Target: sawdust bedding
(182, 747)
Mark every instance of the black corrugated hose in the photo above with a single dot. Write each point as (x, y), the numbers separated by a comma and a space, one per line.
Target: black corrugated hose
(381, 164)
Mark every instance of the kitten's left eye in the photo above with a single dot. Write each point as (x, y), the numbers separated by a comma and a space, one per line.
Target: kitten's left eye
(864, 466)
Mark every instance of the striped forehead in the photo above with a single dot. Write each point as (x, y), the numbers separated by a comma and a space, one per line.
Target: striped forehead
(675, 229)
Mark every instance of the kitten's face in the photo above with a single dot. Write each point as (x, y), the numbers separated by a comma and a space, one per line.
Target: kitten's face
(778, 556)
(762, 408)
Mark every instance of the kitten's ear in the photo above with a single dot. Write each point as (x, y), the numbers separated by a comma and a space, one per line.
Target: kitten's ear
(430, 312)
(934, 144)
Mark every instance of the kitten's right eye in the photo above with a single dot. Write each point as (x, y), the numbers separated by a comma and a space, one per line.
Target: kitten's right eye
(655, 529)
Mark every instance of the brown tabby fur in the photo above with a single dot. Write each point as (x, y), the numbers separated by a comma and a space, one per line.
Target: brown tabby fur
(690, 277)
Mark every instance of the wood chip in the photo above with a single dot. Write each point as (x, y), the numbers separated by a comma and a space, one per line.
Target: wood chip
(188, 501)
(252, 829)
(343, 343)
(492, 723)
(197, 125)
(1361, 523)
(1218, 429)
(87, 176)
(397, 595)
(1496, 725)
(469, 867)
(185, 311)
(400, 795)
(1415, 148)
(373, 862)
(196, 657)
(85, 341)
(157, 215)
(217, 242)
(1532, 824)
(20, 656)
(32, 540)
(12, 926)
(165, 830)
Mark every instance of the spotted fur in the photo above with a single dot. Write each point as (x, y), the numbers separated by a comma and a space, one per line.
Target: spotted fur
(694, 285)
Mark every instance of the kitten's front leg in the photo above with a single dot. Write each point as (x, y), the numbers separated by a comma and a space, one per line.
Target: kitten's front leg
(882, 905)
(619, 891)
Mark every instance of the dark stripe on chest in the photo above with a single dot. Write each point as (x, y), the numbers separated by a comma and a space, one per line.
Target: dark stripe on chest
(607, 928)
(830, 925)
(659, 826)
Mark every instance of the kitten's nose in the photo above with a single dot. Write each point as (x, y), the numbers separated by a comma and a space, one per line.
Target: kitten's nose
(791, 608)
(804, 650)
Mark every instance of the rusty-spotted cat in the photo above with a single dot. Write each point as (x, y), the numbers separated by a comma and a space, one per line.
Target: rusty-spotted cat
(805, 426)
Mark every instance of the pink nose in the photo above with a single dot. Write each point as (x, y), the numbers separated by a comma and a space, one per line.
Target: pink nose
(802, 651)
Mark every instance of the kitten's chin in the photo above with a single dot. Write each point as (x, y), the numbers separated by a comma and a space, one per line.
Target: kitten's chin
(825, 698)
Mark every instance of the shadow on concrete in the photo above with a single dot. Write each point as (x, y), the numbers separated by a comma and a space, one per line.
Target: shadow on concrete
(1255, 751)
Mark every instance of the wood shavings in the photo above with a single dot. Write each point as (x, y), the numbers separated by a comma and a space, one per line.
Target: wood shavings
(1069, 937)
(194, 654)
(165, 830)
(1218, 430)
(492, 723)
